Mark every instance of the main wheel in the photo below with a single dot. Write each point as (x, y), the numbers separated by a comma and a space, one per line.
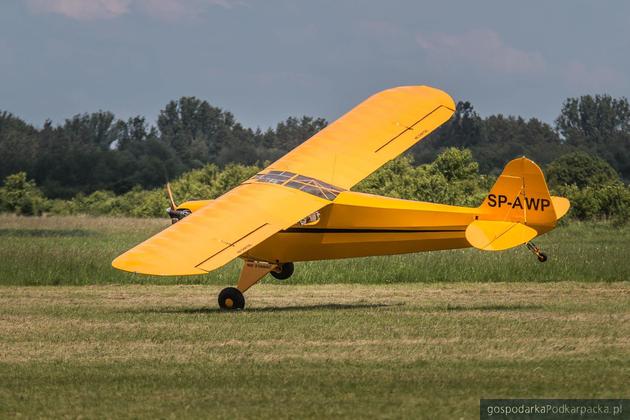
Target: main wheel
(542, 257)
(284, 271)
(231, 298)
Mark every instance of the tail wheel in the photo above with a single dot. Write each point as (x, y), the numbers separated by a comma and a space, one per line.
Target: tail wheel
(542, 257)
(283, 271)
(231, 298)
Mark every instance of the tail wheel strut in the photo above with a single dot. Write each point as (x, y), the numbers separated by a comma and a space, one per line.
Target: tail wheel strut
(542, 257)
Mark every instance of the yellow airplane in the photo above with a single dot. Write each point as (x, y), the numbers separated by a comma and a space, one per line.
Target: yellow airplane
(300, 208)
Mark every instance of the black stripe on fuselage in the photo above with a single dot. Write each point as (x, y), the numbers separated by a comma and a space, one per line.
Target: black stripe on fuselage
(337, 230)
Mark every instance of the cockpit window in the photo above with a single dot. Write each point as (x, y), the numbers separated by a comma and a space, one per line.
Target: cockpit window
(299, 182)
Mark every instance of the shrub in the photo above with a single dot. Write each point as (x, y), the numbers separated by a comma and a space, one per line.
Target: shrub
(581, 169)
(610, 201)
(456, 165)
(453, 178)
(20, 195)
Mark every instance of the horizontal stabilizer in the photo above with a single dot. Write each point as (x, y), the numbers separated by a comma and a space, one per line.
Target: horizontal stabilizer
(560, 205)
(490, 235)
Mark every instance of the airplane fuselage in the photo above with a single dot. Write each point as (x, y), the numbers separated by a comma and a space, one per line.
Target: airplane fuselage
(359, 225)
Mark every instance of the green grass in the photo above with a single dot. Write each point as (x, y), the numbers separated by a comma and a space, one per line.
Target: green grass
(347, 351)
(457, 326)
(79, 251)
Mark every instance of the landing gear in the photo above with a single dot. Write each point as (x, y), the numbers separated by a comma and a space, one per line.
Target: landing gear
(231, 298)
(542, 257)
(283, 271)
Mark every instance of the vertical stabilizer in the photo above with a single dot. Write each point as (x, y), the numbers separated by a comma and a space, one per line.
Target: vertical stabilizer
(520, 195)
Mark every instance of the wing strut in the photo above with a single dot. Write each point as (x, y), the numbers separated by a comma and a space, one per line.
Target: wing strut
(252, 272)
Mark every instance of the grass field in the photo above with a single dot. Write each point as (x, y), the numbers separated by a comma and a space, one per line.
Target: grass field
(418, 336)
(409, 350)
(79, 251)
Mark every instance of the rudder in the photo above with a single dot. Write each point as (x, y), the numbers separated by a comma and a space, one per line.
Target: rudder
(520, 195)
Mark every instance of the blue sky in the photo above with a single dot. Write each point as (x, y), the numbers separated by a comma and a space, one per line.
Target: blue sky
(267, 60)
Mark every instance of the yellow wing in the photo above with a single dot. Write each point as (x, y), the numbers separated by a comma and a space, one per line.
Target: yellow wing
(302, 182)
(373, 133)
(221, 231)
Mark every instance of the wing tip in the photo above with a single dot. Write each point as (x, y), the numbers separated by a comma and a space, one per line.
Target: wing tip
(443, 98)
(152, 268)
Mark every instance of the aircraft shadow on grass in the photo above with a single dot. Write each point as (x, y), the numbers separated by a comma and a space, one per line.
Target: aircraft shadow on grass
(346, 306)
(301, 308)
(491, 307)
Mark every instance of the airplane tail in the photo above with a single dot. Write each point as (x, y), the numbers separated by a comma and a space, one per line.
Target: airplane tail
(517, 209)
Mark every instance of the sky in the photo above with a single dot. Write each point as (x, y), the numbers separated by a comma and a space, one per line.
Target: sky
(266, 60)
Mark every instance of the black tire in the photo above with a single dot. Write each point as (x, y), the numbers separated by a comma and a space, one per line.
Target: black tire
(285, 271)
(231, 298)
(542, 257)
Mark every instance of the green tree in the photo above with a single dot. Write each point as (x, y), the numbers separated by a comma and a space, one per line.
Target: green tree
(596, 202)
(19, 146)
(593, 119)
(397, 179)
(464, 129)
(456, 164)
(287, 135)
(581, 169)
(199, 133)
(510, 137)
(598, 124)
(493, 141)
(451, 179)
(21, 196)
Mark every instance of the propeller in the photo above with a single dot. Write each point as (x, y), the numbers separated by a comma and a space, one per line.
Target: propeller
(170, 196)
(175, 214)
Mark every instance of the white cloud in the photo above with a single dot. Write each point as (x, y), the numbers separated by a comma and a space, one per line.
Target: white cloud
(106, 9)
(178, 9)
(81, 9)
(483, 49)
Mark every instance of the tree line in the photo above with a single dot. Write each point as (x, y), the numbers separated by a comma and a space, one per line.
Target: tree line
(594, 188)
(98, 152)
(598, 125)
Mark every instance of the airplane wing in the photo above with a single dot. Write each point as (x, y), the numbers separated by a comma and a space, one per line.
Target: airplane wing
(373, 133)
(221, 231)
(300, 183)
